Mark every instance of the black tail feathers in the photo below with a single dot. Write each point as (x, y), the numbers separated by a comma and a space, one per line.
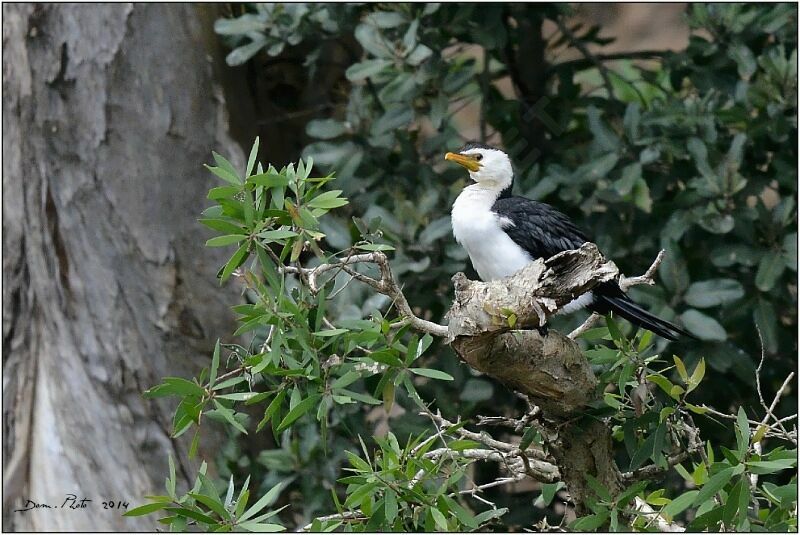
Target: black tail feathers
(625, 308)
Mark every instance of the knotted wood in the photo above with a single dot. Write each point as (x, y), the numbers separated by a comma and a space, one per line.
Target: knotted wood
(551, 370)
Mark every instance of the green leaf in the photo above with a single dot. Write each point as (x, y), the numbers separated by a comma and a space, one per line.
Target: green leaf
(325, 128)
(330, 332)
(770, 268)
(702, 326)
(238, 396)
(225, 175)
(146, 509)
(214, 364)
(172, 479)
(366, 69)
(255, 527)
(360, 493)
(222, 225)
(236, 260)
(630, 175)
(527, 438)
(265, 501)
(662, 382)
(681, 368)
(438, 517)
(240, 55)
(390, 506)
(251, 161)
(490, 514)
(549, 491)
(790, 250)
(211, 503)
(713, 485)
(714, 292)
(174, 386)
(221, 241)
(269, 180)
(679, 504)
(374, 247)
(279, 234)
(590, 522)
(770, 467)
(742, 433)
(767, 322)
(229, 416)
(433, 374)
(299, 410)
(194, 515)
(476, 390)
(226, 165)
(328, 200)
(697, 375)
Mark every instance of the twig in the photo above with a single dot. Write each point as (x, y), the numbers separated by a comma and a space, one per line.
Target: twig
(589, 56)
(647, 278)
(540, 467)
(652, 515)
(586, 325)
(356, 514)
(624, 284)
(582, 62)
(386, 285)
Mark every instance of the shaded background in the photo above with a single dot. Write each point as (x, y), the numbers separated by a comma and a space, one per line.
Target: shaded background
(652, 125)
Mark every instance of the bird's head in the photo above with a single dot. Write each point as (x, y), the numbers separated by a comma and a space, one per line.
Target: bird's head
(488, 166)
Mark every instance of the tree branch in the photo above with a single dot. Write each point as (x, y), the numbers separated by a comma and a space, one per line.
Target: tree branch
(386, 285)
(624, 283)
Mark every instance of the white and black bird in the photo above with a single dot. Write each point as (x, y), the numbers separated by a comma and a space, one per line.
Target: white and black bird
(502, 233)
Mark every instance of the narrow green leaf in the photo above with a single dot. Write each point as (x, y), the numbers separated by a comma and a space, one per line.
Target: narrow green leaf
(390, 506)
(265, 501)
(438, 517)
(226, 165)
(194, 515)
(222, 241)
(146, 509)
(299, 410)
(251, 161)
(254, 527)
(279, 234)
(211, 503)
(681, 368)
(432, 373)
(224, 175)
(229, 416)
(236, 260)
(713, 485)
(238, 396)
(214, 364)
(679, 504)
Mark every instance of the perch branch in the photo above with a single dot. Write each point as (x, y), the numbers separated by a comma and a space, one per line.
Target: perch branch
(386, 285)
(624, 284)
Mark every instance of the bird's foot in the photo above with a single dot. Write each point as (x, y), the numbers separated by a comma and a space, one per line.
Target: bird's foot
(542, 330)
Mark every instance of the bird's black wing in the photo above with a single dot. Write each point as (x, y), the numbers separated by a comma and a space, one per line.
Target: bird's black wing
(538, 228)
(543, 232)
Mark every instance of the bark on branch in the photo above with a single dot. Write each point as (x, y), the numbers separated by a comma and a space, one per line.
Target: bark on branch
(551, 370)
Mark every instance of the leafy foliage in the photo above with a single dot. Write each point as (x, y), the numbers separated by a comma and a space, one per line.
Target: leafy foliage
(691, 151)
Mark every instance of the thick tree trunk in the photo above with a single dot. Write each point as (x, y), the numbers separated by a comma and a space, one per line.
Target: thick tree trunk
(109, 110)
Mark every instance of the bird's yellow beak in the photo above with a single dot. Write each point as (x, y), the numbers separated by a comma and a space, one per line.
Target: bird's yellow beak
(470, 162)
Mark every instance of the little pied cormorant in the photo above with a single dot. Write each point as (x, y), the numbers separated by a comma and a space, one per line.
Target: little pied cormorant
(503, 232)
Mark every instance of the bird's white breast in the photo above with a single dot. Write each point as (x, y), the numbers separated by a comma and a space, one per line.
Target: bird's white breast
(480, 231)
(493, 253)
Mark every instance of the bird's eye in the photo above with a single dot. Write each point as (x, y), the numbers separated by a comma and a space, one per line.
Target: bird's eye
(479, 157)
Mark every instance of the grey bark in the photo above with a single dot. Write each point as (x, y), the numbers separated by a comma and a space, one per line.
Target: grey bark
(551, 370)
(108, 112)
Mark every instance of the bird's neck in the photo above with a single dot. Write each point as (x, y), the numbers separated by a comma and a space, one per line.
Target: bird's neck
(488, 191)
